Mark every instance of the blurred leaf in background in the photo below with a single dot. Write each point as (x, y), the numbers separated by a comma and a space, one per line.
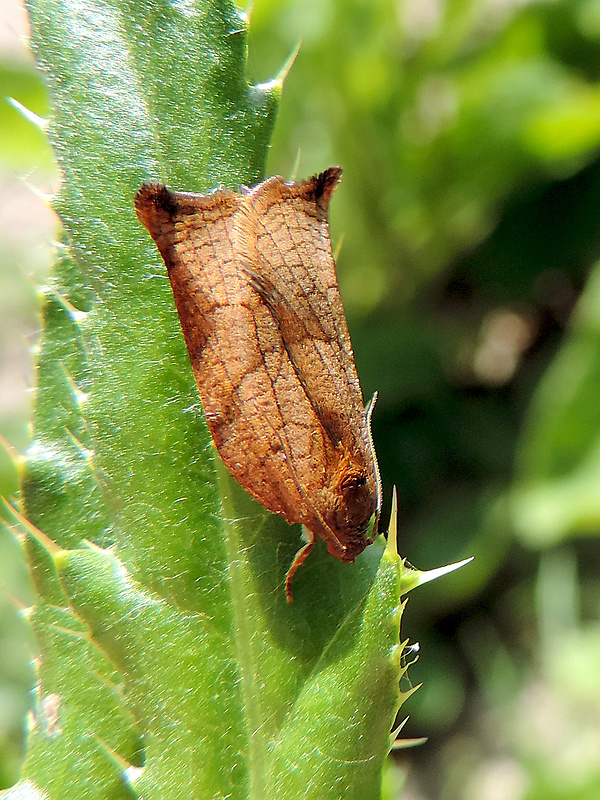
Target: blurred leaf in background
(470, 215)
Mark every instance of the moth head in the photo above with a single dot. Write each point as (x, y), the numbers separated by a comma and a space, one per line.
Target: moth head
(352, 503)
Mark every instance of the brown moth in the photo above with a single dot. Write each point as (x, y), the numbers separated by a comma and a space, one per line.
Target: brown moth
(257, 295)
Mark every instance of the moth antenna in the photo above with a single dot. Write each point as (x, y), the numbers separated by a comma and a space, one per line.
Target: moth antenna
(370, 406)
(368, 414)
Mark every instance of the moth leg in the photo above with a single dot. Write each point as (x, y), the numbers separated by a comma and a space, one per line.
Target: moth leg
(299, 559)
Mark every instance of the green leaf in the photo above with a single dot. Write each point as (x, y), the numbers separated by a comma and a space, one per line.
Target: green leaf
(170, 664)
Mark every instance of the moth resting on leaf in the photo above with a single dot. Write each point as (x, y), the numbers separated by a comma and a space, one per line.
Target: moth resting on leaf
(257, 295)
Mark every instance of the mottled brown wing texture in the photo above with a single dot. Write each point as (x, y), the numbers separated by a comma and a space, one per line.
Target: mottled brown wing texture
(256, 291)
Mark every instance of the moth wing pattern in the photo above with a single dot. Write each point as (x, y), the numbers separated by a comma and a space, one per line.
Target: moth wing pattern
(240, 374)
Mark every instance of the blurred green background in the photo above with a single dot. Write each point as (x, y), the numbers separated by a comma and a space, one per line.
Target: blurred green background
(469, 223)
